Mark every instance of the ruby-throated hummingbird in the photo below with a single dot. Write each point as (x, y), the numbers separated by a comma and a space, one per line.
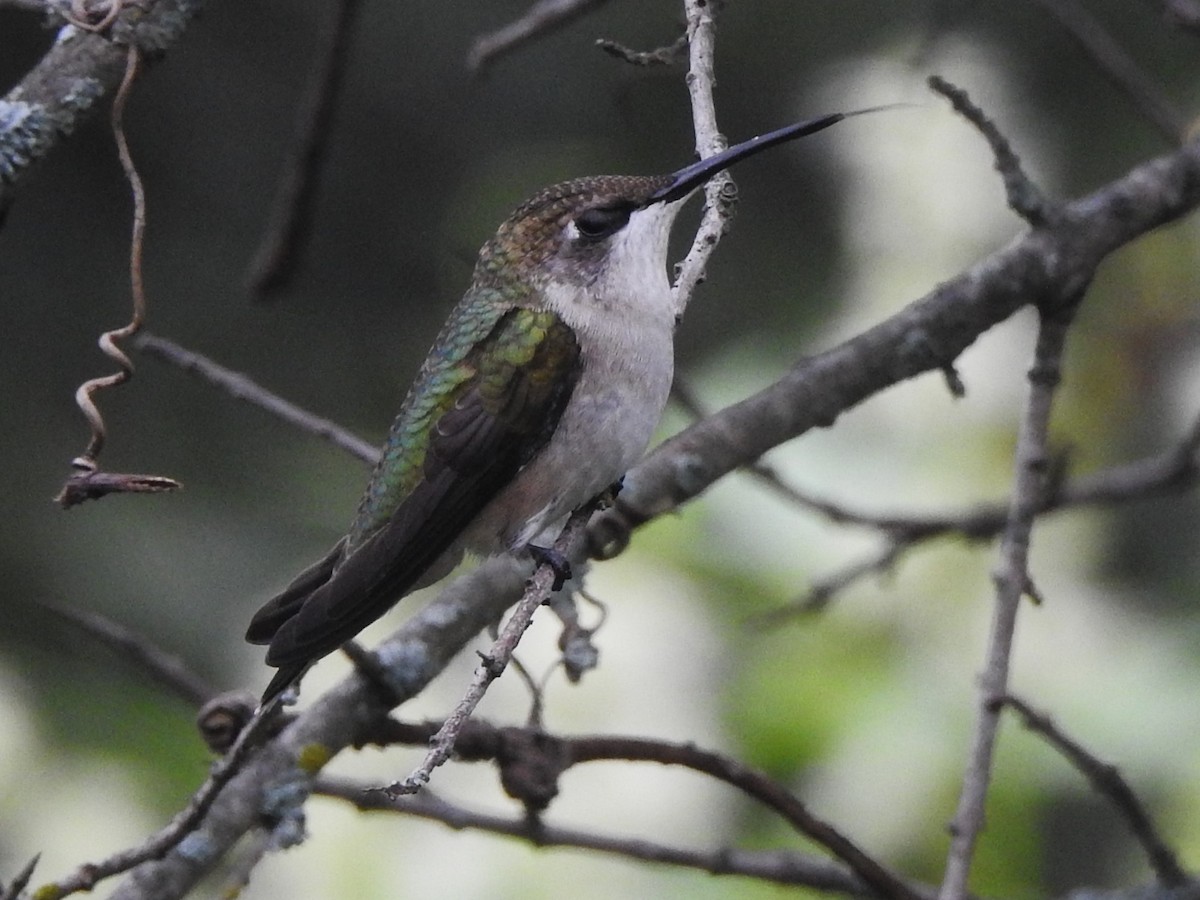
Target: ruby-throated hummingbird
(543, 387)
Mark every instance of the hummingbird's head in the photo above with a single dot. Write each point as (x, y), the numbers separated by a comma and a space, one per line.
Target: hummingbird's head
(572, 232)
(604, 238)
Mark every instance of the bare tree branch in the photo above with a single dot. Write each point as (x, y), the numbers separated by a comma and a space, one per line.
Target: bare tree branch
(1173, 471)
(1107, 781)
(1012, 583)
(823, 590)
(1023, 196)
(758, 786)
(165, 668)
(290, 219)
(1117, 66)
(778, 866)
(79, 70)
(543, 17)
(546, 578)
(531, 762)
(671, 55)
(720, 193)
(242, 387)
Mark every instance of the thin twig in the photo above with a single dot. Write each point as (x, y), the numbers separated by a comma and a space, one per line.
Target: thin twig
(1117, 66)
(670, 55)
(541, 18)
(1106, 779)
(88, 483)
(1012, 577)
(1024, 198)
(822, 591)
(166, 668)
(537, 692)
(241, 387)
(720, 193)
(1172, 471)
(755, 784)
(540, 586)
(531, 762)
(778, 866)
(289, 223)
(1175, 469)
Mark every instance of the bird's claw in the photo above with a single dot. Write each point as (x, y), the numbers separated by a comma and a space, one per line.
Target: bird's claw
(607, 498)
(548, 556)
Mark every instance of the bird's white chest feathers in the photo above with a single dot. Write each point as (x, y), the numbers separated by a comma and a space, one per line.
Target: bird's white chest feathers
(625, 324)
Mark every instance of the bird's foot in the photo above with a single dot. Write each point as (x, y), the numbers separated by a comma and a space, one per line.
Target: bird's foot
(608, 497)
(548, 556)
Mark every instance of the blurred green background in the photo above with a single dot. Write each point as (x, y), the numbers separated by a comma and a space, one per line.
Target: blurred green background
(864, 710)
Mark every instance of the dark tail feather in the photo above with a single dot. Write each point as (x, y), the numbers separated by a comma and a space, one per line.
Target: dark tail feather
(278, 610)
(282, 680)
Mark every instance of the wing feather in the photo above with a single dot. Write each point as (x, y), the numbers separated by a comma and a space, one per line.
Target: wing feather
(496, 421)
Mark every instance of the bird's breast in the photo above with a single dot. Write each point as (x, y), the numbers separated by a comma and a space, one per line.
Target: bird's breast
(606, 426)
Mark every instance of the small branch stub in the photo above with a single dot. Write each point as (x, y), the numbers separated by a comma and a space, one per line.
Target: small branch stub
(88, 483)
(672, 55)
(1024, 198)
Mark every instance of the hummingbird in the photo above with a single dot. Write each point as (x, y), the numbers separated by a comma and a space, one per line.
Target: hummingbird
(543, 387)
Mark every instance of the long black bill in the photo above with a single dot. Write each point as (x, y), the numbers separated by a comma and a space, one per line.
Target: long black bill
(688, 179)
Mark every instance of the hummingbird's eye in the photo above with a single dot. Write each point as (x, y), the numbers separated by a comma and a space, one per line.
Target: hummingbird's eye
(599, 222)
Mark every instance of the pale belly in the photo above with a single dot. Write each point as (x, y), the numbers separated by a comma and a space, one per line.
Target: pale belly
(604, 430)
